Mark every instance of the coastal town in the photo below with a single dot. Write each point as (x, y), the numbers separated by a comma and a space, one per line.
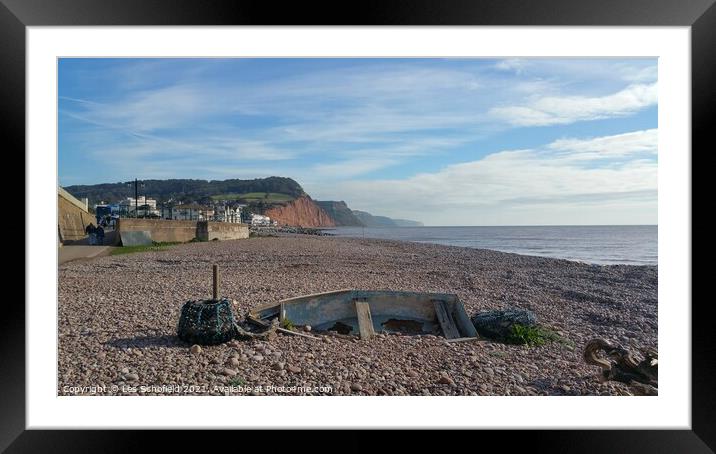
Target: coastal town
(110, 335)
(364, 227)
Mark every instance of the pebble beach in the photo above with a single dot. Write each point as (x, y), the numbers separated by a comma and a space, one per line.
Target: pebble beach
(118, 316)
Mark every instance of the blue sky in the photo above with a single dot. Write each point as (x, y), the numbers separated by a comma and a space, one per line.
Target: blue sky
(443, 141)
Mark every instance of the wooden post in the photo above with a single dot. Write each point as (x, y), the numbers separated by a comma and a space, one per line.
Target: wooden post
(216, 282)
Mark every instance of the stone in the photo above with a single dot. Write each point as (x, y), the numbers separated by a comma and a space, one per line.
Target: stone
(233, 362)
(195, 349)
(228, 372)
(498, 324)
(131, 377)
(257, 358)
(307, 328)
(412, 374)
(278, 366)
(356, 387)
(294, 369)
(445, 380)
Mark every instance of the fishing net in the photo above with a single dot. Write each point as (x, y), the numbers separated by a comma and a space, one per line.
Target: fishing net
(498, 324)
(207, 322)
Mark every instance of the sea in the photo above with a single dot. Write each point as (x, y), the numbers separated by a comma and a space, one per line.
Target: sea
(602, 244)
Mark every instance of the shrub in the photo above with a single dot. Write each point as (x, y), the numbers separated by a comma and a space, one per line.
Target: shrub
(287, 324)
(531, 335)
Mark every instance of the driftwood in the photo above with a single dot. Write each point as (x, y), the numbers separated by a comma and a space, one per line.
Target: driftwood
(294, 333)
(622, 366)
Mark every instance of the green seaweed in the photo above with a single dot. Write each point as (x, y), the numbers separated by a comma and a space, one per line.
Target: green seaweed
(533, 335)
(286, 323)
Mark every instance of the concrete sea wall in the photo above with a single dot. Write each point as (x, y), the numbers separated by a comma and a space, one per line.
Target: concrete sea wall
(160, 229)
(208, 231)
(182, 231)
(71, 220)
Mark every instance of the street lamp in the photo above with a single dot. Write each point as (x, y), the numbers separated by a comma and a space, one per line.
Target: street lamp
(136, 197)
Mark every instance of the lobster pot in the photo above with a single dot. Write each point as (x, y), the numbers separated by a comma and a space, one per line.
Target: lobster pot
(207, 322)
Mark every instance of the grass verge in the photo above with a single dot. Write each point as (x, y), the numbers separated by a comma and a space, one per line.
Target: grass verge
(154, 247)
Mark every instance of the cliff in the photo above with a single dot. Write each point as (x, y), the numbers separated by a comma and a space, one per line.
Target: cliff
(301, 212)
(370, 220)
(340, 213)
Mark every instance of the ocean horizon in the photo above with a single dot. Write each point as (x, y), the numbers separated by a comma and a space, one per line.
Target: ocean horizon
(597, 244)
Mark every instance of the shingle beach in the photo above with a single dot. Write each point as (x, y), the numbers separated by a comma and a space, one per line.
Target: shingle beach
(118, 318)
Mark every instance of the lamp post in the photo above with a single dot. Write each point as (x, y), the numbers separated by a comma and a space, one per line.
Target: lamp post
(136, 197)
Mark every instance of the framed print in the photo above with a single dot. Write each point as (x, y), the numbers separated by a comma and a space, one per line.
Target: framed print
(471, 216)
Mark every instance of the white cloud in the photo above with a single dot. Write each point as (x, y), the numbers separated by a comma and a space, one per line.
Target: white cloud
(533, 186)
(350, 168)
(609, 146)
(553, 110)
(516, 65)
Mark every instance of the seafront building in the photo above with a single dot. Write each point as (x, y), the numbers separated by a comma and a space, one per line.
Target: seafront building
(225, 213)
(140, 207)
(259, 219)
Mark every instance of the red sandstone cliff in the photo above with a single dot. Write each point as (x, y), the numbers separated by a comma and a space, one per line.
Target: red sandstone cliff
(301, 212)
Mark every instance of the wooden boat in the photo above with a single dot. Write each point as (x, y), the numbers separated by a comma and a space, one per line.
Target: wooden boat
(366, 312)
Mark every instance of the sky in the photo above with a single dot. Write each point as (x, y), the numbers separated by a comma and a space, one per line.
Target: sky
(511, 141)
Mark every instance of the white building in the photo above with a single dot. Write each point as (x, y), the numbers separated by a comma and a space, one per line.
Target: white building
(258, 219)
(142, 200)
(225, 213)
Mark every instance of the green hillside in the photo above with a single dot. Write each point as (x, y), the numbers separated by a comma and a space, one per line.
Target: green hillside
(268, 197)
(340, 213)
(185, 190)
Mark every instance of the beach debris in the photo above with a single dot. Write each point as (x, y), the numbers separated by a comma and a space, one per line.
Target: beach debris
(462, 339)
(368, 312)
(207, 322)
(294, 333)
(211, 322)
(498, 324)
(620, 365)
(403, 326)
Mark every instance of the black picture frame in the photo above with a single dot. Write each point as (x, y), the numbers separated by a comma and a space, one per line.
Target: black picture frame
(700, 15)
